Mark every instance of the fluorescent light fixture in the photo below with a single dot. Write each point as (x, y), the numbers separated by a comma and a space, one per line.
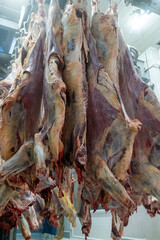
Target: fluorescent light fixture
(21, 15)
(12, 45)
(140, 19)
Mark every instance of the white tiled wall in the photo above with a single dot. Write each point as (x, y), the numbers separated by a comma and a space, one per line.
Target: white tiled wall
(152, 58)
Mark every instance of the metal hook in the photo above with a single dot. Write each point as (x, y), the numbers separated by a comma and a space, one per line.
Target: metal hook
(110, 3)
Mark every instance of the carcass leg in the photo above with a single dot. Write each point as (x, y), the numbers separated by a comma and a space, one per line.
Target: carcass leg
(109, 183)
(6, 193)
(15, 164)
(31, 218)
(117, 227)
(147, 180)
(24, 227)
(83, 212)
(67, 206)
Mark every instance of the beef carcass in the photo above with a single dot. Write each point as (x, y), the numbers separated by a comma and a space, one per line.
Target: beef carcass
(143, 104)
(48, 144)
(108, 149)
(20, 111)
(74, 75)
(139, 102)
(55, 20)
(20, 120)
(104, 30)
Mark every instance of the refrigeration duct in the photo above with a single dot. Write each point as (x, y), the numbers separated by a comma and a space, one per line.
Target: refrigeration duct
(147, 5)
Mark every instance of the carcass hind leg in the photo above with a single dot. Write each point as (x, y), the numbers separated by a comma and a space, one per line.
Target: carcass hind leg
(147, 180)
(117, 227)
(18, 163)
(24, 227)
(109, 183)
(83, 212)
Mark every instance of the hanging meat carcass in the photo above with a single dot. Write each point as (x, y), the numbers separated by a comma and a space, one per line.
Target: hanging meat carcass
(139, 101)
(99, 138)
(19, 126)
(20, 111)
(108, 151)
(74, 75)
(48, 144)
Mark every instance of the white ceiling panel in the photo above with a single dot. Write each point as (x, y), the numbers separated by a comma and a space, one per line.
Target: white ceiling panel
(141, 33)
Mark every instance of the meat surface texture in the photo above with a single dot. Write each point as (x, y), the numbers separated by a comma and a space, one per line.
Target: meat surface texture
(48, 144)
(74, 75)
(74, 104)
(138, 100)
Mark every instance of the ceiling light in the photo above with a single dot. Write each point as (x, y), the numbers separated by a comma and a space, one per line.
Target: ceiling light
(21, 15)
(139, 19)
